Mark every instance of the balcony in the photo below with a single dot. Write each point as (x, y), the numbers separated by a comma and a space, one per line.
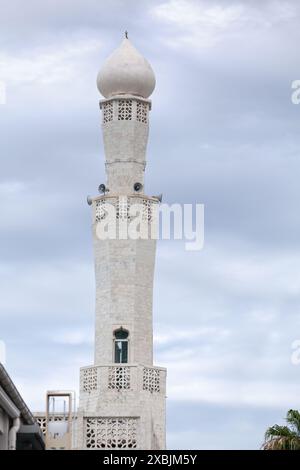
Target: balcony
(122, 378)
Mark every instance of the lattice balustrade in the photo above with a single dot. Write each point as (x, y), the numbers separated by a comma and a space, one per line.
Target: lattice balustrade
(41, 420)
(142, 112)
(148, 210)
(123, 208)
(107, 112)
(146, 207)
(151, 379)
(89, 379)
(58, 418)
(100, 210)
(119, 378)
(111, 433)
(125, 110)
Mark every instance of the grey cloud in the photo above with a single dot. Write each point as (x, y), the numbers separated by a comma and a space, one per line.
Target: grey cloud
(223, 133)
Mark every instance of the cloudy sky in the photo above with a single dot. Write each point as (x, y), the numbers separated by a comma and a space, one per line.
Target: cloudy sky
(224, 133)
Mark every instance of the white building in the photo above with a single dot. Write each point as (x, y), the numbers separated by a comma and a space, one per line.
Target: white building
(122, 395)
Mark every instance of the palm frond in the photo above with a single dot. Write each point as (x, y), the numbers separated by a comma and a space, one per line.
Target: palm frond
(279, 431)
(293, 419)
(282, 443)
(284, 437)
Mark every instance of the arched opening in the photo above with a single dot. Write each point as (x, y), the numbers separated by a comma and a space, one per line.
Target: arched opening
(121, 346)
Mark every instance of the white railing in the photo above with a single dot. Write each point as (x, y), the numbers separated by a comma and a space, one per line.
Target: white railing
(122, 378)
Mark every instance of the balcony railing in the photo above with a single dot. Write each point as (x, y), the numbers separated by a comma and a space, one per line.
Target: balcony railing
(122, 378)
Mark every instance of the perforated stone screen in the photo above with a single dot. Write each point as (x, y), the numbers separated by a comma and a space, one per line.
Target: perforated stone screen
(119, 378)
(125, 110)
(111, 433)
(107, 112)
(151, 379)
(89, 379)
(148, 208)
(142, 112)
(41, 420)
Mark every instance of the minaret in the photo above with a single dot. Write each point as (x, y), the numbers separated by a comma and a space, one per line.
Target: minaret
(122, 396)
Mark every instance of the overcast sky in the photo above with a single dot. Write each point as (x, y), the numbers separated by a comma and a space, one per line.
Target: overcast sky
(224, 133)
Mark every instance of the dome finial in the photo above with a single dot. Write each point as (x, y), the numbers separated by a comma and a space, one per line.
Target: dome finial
(126, 72)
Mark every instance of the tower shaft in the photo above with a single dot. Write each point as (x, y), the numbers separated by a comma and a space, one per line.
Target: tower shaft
(124, 268)
(122, 395)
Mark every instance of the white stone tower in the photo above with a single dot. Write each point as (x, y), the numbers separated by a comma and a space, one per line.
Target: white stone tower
(122, 395)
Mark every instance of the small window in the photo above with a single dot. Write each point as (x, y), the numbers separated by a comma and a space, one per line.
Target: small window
(121, 346)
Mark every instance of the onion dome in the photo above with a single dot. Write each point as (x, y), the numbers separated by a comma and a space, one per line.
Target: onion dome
(126, 71)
